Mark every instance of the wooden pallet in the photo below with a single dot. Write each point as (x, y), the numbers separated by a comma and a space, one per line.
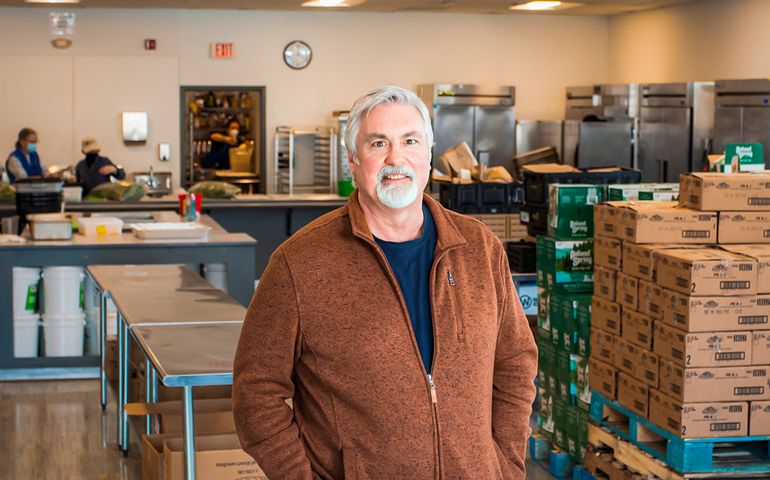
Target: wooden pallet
(728, 457)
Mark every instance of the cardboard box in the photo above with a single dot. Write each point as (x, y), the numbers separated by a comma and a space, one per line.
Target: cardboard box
(606, 283)
(570, 210)
(763, 305)
(547, 366)
(703, 314)
(212, 416)
(702, 349)
(650, 299)
(545, 413)
(760, 253)
(661, 192)
(603, 345)
(706, 271)
(454, 159)
(633, 395)
(627, 291)
(608, 252)
(699, 420)
(725, 191)
(744, 227)
(637, 328)
(607, 220)
(718, 384)
(606, 315)
(639, 261)
(759, 418)
(218, 456)
(603, 378)
(760, 348)
(665, 222)
(636, 361)
(567, 265)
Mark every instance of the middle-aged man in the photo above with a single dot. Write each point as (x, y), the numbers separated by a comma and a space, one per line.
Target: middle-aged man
(394, 326)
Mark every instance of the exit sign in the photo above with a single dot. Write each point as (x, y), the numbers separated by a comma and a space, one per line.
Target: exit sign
(222, 50)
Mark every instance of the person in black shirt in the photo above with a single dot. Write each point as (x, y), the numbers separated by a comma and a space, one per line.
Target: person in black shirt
(94, 169)
(221, 142)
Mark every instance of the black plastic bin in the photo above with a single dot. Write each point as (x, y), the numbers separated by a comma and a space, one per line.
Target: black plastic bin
(521, 256)
(536, 184)
(460, 197)
(536, 219)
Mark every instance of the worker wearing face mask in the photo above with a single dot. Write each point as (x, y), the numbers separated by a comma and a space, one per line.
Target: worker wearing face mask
(95, 169)
(24, 161)
(221, 142)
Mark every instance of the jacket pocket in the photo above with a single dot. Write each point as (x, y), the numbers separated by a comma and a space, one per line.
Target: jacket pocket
(457, 313)
(349, 464)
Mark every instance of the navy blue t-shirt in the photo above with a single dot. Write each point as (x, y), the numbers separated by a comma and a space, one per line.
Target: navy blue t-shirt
(411, 262)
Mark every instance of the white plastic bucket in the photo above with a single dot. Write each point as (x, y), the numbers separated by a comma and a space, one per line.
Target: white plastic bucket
(25, 282)
(64, 335)
(63, 290)
(92, 331)
(26, 330)
(216, 274)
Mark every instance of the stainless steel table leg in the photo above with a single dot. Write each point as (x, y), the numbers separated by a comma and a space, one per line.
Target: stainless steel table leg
(126, 368)
(148, 394)
(103, 346)
(119, 402)
(189, 435)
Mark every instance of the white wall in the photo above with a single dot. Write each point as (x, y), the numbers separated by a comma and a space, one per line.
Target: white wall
(708, 40)
(352, 52)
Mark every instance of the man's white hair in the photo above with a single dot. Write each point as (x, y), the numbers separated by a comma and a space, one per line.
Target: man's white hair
(382, 95)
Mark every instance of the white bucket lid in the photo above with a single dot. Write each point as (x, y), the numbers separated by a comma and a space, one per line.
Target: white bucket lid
(64, 271)
(72, 317)
(26, 318)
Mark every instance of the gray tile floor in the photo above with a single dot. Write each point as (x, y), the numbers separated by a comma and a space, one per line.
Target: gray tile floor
(56, 429)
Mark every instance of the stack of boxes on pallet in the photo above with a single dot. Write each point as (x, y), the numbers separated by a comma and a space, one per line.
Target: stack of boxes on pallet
(565, 283)
(679, 318)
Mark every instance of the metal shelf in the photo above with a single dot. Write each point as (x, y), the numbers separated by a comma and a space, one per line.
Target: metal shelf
(300, 168)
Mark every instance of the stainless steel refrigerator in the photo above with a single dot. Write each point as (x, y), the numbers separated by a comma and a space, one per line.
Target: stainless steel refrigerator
(599, 125)
(742, 113)
(484, 117)
(675, 128)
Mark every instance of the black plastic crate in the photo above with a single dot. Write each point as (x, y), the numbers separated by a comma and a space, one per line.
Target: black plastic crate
(460, 197)
(536, 219)
(536, 184)
(495, 197)
(521, 257)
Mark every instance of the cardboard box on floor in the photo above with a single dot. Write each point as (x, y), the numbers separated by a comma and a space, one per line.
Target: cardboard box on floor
(606, 315)
(665, 222)
(606, 283)
(627, 291)
(608, 252)
(703, 314)
(639, 261)
(744, 227)
(212, 416)
(714, 384)
(603, 345)
(699, 420)
(760, 253)
(725, 191)
(641, 364)
(603, 377)
(607, 220)
(651, 299)
(633, 394)
(706, 271)
(702, 349)
(759, 418)
(216, 456)
(637, 328)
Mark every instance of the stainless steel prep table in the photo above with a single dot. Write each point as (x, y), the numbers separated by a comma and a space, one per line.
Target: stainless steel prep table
(176, 296)
(237, 250)
(188, 356)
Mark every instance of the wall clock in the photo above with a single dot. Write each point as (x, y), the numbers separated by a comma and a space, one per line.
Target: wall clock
(297, 55)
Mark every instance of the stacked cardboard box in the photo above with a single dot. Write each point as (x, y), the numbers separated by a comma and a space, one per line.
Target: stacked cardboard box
(565, 283)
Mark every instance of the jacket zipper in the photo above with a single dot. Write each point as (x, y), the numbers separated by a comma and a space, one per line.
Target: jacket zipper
(456, 313)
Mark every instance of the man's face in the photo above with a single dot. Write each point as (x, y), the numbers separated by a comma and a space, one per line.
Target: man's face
(393, 156)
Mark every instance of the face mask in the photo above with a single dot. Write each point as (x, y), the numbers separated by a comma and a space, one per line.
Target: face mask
(234, 132)
(32, 147)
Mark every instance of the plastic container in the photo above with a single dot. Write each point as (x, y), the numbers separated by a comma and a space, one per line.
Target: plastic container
(64, 335)
(63, 290)
(49, 226)
(100, 226)
(72, 193)
(25, 284)
(216, 275)
(26, 330)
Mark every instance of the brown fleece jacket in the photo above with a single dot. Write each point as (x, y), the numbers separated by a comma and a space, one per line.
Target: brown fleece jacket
(329, 327)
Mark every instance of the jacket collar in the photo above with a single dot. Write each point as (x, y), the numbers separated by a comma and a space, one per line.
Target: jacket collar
(447, 233)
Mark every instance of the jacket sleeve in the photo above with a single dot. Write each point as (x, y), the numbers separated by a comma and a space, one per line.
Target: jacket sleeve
(515, 372)
(262, 377)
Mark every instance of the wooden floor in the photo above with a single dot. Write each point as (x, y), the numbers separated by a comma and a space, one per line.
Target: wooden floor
(57, 430)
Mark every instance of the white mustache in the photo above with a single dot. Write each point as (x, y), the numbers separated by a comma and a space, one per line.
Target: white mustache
(391, 170)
